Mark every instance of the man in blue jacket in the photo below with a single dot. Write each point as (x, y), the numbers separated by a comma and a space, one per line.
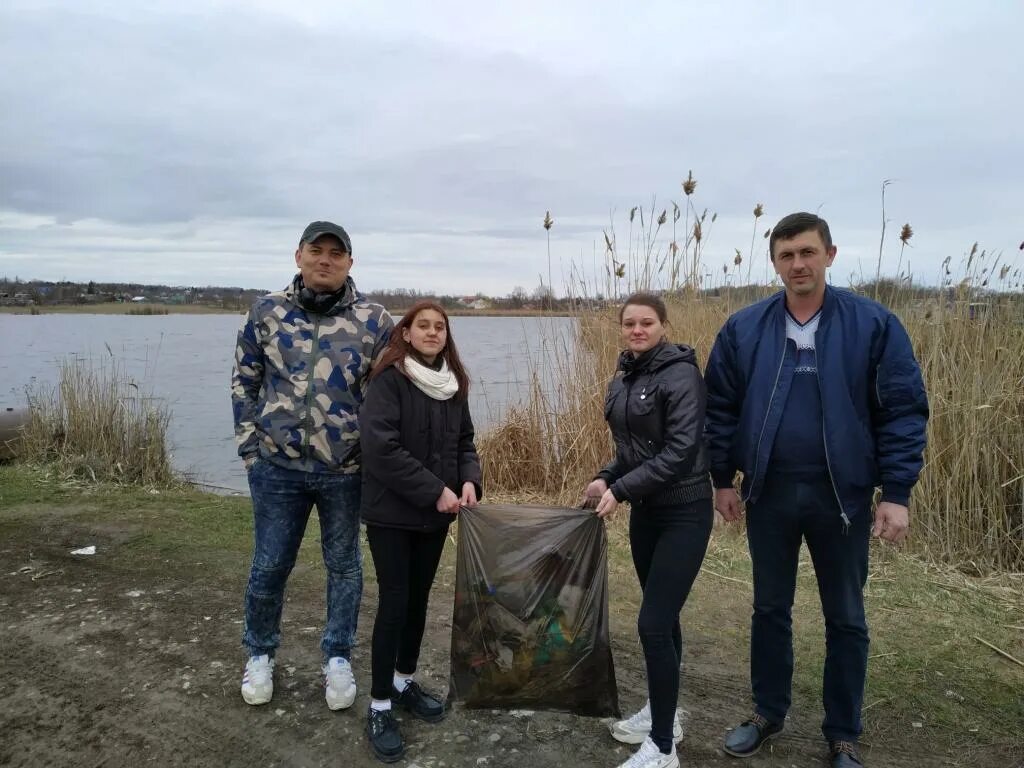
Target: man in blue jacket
(814, 394)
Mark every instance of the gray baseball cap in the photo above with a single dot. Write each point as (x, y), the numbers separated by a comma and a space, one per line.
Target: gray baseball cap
(318, 228)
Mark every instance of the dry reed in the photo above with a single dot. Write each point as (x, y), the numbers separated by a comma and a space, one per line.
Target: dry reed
(97, 425)
(967, 509)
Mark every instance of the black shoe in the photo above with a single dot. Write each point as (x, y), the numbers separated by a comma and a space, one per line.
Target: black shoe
(385, 738)
(746, 738)
(843, 754)
(418, 702)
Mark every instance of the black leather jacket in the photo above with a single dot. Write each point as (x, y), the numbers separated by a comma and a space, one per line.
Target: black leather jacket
(655, 409)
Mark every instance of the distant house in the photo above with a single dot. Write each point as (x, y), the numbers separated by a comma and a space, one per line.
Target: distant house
(474, 302)
(138, 299)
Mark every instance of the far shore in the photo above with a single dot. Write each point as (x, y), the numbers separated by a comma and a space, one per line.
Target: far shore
(146, 308)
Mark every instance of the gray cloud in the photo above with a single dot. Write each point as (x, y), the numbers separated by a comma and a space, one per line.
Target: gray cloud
(195, 142)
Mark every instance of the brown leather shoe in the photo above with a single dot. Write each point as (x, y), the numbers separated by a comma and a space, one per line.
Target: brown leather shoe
(843, 754)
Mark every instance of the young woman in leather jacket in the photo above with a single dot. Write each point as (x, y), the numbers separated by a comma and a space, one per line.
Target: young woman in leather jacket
(655, 410)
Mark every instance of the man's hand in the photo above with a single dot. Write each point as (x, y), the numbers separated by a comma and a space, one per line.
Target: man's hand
(593, 493)
(606, 506)
(249, 461)
(727, 502)
(891, 522)
(468, 495)
(448, 502)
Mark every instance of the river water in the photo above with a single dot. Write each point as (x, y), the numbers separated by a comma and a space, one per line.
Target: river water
(185, 360)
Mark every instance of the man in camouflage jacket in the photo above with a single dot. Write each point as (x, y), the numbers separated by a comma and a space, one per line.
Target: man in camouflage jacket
(301, 365)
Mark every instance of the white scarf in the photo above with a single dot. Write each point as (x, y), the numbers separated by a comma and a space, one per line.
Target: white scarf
(440, 385)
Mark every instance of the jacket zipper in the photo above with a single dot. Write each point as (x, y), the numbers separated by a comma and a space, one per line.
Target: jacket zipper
(824, 442)
(625, 417)
(309, 386)
(757, 451)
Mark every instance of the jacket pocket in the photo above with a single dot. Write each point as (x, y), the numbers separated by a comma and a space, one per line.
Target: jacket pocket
(898, 385)
(644, 400)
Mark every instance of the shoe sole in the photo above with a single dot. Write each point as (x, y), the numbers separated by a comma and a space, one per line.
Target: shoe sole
(334, 706)
(255, 701)
(335, 702)
(397, 704)
(638, 738)
(424, 718)
(384, 757)
(754, 751)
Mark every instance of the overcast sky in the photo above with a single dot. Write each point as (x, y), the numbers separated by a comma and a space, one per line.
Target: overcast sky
(190, 143)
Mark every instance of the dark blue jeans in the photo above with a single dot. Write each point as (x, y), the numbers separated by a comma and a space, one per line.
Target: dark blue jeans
(668, 546)
(281, 501)
(790, 510)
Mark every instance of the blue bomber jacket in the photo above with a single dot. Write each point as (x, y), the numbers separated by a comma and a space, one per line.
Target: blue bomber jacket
(873, 401)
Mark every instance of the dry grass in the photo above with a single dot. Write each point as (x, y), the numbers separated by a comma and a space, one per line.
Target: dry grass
(96, 424)
(968, 508)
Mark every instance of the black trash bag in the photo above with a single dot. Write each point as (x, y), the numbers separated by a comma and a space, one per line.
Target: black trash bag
(530, 626)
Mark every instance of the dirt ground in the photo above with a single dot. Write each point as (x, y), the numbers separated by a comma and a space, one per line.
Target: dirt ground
(131, 657)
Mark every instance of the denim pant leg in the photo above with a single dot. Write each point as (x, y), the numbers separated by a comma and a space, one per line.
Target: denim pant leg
(773, 535)
(841, 567)
(337, 502)
(281, 506)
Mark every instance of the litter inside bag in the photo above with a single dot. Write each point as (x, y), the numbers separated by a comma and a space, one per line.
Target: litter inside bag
(530, 626)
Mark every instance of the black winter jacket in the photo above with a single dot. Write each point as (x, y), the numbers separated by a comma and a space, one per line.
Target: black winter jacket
(412, 447)
(655, 409)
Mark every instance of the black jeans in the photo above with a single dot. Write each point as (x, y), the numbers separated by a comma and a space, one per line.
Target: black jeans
(791, 509)
(406, 563)
(668, 545)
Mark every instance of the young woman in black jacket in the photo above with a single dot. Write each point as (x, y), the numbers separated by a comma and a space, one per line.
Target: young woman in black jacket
(655, 409)
(419, 467)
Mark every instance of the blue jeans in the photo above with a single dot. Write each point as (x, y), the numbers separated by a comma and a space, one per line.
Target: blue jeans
(281, 501)
(788, 511)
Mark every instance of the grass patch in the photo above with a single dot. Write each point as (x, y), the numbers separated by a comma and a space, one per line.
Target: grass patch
(929, 679)
(931, 684)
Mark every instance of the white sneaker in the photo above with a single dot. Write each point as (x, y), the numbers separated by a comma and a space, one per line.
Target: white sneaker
(340, 683)
(258, 680)
(634, 729)
(649, 756)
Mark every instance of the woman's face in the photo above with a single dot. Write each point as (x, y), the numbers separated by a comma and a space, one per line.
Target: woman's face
(641, 328)
(428, 334)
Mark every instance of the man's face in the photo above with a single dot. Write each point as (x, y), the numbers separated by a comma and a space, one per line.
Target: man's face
(324, 264)
(801, 263)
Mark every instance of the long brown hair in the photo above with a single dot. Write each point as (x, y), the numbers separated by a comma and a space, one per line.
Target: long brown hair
(398, 348)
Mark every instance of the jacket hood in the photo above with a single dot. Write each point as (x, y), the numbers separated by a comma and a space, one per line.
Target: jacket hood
(656, 358)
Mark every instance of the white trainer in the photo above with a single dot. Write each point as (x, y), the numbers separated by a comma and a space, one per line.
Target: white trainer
(258, 680)
(649, 756)
(636, 728)
(340, 683)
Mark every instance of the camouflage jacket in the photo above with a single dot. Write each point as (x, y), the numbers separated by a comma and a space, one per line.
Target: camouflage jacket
(299, 376)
